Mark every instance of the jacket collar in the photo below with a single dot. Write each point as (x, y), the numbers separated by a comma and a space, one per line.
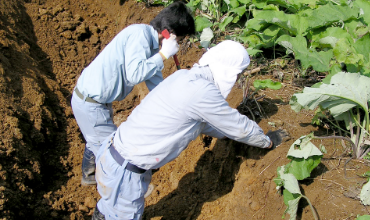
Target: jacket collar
(202, 72)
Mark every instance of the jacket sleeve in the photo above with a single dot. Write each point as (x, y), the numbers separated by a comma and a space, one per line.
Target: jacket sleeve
(209, 106)
(209, 130)
(140, 64)
(153, 81)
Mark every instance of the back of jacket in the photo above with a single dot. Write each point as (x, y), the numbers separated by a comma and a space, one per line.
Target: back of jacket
(181, 107)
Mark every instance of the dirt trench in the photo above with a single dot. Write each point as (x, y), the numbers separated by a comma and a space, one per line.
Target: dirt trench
(44, 46)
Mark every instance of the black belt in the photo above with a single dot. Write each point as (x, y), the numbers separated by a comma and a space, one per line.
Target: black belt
(119, 159)
(88, 99)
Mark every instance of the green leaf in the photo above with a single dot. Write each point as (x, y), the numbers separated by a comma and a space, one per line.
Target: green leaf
(239, 11)
(267, 83)
(259, 3)
(303, 148)
(301, 168)
(225, 22)
(290, 182)
(254, 25)
(294, 105)
(345, 91)
(289, 196)
(365, 194)
(206, 37)
(329, 13)
(245, 1)
(301, 3)
(298, 45)
(362, 46)
(292, 201)
(201, 23)
(352, 25)
(251, 51)
(363, 217)
(252, 40)
(344, 52)
(234, 4)
(334, 69)
(278, 180)
(271, 7)
(329, 37)
(364, 6)
(295, 24)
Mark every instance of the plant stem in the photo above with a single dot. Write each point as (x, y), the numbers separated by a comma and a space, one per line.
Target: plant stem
(312, 208)
(339, 137)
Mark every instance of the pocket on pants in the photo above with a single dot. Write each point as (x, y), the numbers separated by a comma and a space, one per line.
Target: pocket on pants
(103, 121)
(108, 174)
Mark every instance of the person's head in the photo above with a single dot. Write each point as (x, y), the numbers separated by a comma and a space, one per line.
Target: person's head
(226, 60)
(176, 18)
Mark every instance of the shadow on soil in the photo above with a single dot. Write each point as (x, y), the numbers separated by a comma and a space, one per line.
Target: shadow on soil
(213, 178)
(34, 162)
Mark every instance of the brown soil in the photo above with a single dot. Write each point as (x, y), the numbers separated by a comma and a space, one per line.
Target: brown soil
(45, 44)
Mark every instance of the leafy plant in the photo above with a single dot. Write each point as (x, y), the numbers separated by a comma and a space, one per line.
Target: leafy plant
(344, 96)
(363, 217)
(304, 157)
(267, 83)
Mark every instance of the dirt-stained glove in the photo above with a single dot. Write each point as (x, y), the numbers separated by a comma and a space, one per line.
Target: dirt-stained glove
(169, 46)
(277, 137)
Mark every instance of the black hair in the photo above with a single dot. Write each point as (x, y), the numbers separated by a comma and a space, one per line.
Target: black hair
(176, 18)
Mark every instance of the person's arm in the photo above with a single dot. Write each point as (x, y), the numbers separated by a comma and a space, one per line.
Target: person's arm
(139, 63)
(210, 131)
(153, 81)
(209, 105)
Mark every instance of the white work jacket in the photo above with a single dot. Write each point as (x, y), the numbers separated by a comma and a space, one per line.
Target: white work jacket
(181, 107)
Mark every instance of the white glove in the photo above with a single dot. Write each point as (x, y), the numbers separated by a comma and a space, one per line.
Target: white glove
(169, 46)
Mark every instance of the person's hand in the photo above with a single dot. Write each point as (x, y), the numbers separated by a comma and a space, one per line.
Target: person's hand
(169, 47)
(277, 137)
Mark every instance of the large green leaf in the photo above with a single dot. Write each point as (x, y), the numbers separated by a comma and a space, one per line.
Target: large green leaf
(295, 24)
(239, 10)
(298, 45)
(352, 25)
(344, 52)
(363, 217)
(267, 83)
(252, 41)
(329, 13)
(225, 22)
(201, 23)
(290, 182)
(301, 168)
(364, 6)
(245, 1)
(345, 91)
(365, 194)
(300, 3)
(253, 25)
(291, 201)
(251, 51)
(362, 46)
(303, 148)
(329, 37)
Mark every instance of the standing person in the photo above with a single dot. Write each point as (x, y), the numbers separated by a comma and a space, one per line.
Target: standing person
(130, 58)
(186, 104)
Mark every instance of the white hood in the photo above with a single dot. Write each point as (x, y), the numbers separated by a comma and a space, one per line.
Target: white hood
(226, 60)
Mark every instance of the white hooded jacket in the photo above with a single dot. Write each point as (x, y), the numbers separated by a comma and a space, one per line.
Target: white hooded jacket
(184, 105)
